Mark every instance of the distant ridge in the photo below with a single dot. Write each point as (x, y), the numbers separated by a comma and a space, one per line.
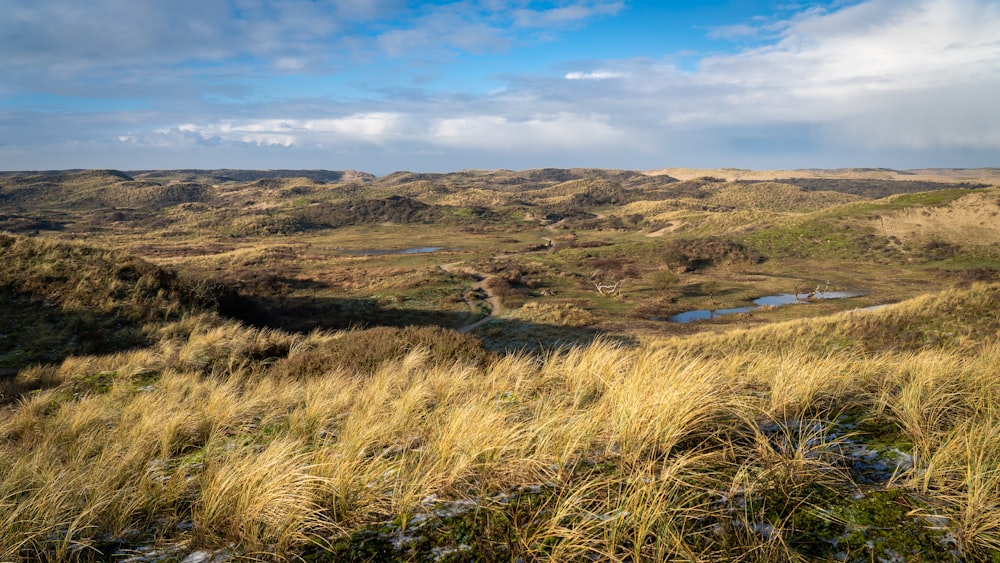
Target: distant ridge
(238, 175)
(986, 175)
(195, 174)
(69, 172)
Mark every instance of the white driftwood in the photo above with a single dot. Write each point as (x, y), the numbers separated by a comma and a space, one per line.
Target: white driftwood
(606, 290)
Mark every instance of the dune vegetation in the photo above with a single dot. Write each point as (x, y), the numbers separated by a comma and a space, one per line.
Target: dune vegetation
(158, 404)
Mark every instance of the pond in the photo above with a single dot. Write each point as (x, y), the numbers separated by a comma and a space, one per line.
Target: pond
(417, 250)
(766, 301)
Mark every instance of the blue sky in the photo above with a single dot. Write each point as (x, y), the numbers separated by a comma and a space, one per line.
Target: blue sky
(385, 85)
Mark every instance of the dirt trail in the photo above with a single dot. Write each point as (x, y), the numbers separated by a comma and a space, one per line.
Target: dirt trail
(496, 306)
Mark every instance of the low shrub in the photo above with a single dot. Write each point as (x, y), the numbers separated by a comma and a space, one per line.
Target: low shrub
(363, 351)
(696, 254)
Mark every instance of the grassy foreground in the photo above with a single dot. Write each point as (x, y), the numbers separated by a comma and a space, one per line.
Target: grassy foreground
(864, 436)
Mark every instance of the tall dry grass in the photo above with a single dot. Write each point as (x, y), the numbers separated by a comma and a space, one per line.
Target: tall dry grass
(276, 444)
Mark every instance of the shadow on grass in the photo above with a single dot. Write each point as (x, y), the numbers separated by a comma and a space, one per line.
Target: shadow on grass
(513, 335)
(304, 314)
(34, 332)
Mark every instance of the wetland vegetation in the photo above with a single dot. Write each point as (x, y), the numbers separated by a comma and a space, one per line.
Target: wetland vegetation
(473, 366)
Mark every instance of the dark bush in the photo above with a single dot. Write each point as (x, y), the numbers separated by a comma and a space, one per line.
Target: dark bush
(940, 250)
(394, 209)
(602, 193)
(363, 351)
(696, 254)
(502, 287)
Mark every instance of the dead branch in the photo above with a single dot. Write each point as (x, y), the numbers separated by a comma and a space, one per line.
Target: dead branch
(606, 290)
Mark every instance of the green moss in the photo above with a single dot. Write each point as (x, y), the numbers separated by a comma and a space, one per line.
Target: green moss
(477, 535)
(98, 383)
(368, 544)
(145, 377)
(460, 531)
(266, 433)
(879, 527)
(882, 434)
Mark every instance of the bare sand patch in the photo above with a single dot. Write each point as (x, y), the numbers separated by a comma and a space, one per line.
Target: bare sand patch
(972, 220)
(947, 175)
(665, 230)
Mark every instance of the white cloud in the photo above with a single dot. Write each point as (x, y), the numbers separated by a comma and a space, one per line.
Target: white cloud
(289, 64)
(367, 9)
(596, 75)
(565, 131)
(948, 117)
(874, 75)
(144, 33)
(373, 127)
(182, 136)
(864, 78)
(870, 78)
(492, 132)
(879, 44)
(486, 26)
(443, 30)
(735, 31)
(562, 15)
(918, 66)
(58, 41)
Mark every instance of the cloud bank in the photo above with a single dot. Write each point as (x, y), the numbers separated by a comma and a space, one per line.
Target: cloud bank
(877, 82)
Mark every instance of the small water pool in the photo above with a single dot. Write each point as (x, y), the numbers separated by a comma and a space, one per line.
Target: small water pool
(766, 301)
(416, 250)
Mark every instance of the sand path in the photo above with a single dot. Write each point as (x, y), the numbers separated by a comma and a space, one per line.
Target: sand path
(496, 306)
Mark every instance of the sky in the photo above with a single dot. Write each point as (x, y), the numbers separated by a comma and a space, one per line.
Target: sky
(387, 85)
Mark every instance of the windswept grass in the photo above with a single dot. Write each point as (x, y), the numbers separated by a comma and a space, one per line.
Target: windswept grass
(62, 299)
(287, 446)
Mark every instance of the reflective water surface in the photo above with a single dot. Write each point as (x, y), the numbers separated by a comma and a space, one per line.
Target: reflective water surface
(417, 250)
(766, 301)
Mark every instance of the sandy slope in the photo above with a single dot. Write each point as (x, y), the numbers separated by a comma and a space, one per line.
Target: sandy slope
(973, 220)
(978, 175)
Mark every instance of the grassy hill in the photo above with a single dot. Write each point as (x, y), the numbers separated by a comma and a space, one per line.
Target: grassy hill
(480, 366)
(64, 299)
(748, 446)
